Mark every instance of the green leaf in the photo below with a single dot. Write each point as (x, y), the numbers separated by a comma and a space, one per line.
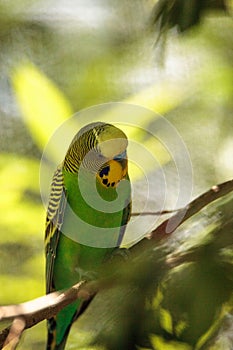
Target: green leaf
(160, 344)
(44, 107)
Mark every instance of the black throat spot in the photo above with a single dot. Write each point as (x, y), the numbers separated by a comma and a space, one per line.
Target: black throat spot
(104, 171)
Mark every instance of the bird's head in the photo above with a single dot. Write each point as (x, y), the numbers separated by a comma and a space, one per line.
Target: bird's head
(101, 149)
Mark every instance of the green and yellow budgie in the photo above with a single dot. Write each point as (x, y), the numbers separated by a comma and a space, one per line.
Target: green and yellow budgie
(89, 207)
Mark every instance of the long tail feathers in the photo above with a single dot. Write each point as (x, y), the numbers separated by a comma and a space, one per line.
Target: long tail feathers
(51, 339)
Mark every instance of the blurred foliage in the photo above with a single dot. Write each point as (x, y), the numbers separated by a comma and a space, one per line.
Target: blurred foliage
(57, 57)
(182, 13)
(21, 248)
(43, 105)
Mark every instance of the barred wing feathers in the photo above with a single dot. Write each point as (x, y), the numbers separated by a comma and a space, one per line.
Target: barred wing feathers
(54, 220)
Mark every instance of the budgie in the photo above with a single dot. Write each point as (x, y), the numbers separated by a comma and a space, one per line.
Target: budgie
(89, 207)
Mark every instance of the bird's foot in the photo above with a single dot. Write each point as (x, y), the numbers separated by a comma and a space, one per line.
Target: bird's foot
(122, 254)
(86, 275)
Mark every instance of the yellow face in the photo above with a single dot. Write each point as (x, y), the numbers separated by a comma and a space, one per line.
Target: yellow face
(112, 172)
(111, 141)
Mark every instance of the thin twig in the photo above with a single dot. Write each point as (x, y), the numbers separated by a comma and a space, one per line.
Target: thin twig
(15, 332)
(170, 225)
(153, 213)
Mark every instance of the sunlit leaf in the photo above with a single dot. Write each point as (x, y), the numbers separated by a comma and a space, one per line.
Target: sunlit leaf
(160, 344)
(166, 320)
(43, 105)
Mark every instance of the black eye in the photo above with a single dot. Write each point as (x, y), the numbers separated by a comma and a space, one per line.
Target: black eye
(104, 171)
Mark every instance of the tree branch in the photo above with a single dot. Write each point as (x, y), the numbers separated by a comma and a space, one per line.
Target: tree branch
(30, 313)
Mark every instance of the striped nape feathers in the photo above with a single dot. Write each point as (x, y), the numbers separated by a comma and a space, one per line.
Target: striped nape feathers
(94, 145)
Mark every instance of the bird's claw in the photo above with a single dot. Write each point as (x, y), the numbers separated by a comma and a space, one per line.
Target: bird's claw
(86, 275)
(120, 253)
